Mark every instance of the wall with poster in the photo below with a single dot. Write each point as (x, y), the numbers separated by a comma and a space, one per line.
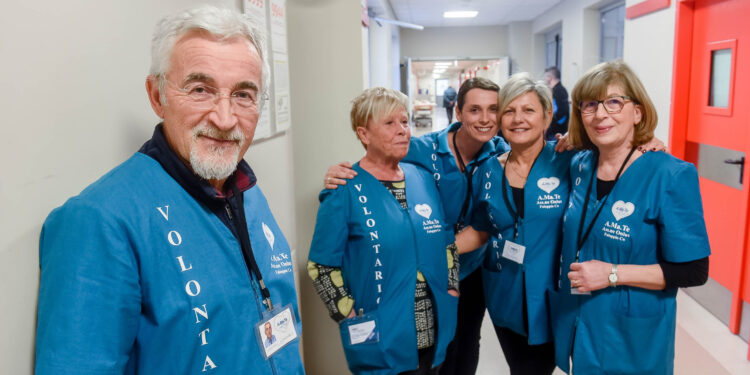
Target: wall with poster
(92, 58)
(271, 15)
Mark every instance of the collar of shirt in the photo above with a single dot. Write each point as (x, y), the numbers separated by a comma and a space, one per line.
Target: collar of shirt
(158, 149)
(487, 150)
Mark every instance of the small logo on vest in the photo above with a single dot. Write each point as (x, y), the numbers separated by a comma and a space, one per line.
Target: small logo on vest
(269, 234)
(423, 210)
(548, 184)
(622, 209)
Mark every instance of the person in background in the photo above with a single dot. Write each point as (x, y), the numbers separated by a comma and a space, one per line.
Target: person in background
(452, 155)
(383, 248)
(166, 265)
(633, 233)
(561, 106)
(449, 101)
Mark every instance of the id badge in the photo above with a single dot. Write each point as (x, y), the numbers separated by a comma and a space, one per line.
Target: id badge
(575, 291)
(362, 329)
(276, 330)
(514, 251)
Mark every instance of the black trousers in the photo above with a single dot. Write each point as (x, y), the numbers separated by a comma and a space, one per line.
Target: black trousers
(449, 111)
(462, 355)
(525, 359)
(426, 357)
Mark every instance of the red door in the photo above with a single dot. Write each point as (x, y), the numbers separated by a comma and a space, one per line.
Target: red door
(712, 112)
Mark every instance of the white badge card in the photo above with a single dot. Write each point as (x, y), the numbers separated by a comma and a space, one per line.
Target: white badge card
(574, 291)
(277, 329)
(514, 251)
(362, 330)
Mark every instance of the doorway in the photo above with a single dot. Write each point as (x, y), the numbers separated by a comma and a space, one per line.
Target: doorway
(711, 128)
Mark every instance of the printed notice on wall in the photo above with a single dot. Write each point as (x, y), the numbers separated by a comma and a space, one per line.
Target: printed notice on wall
(278, 25)
(257, 9)
(281, 91)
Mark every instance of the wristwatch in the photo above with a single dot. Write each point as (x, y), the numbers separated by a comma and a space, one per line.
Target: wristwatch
(613, 276)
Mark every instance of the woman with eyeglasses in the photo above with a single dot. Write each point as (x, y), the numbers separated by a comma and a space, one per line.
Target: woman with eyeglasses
(633, 232)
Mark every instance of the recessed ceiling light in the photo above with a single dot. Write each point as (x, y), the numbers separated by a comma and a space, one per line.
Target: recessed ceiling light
(460, 14)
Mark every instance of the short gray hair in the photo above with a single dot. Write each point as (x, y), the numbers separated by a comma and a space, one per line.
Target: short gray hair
(521, 83)
(223, 23)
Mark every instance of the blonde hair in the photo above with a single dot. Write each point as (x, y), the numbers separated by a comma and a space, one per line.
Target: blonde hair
(521, 83)
(593, 86)
(375, 102)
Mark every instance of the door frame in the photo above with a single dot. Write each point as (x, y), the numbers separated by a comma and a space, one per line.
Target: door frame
(681, 70)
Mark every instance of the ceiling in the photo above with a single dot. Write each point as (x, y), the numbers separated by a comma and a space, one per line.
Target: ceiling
(429, 13)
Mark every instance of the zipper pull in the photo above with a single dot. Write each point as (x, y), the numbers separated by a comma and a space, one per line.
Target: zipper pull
(229, 211)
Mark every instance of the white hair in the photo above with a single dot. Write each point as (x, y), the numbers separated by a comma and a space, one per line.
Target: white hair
(223, 23)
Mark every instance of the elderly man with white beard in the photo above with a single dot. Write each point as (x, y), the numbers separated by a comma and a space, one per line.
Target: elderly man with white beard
(172, 263)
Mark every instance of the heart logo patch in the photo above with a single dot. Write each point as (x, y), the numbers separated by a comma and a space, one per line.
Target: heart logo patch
(548, 184)
(622, 209)
(423, 210)
(269, 234)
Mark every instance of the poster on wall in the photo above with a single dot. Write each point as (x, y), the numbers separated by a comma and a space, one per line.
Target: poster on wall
(257, 9)
(278, 25)
(281, 91)
(280, 65)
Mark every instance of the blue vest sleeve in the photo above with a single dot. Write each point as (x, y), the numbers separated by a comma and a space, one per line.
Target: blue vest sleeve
(89, 294)
(683, 234)
(331, 228)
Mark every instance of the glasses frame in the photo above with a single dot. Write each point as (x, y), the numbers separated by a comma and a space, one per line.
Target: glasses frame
(598, 102)
(258, 103)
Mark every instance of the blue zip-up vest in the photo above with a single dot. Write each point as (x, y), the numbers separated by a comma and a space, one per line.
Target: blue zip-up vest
(137, 277)
(540, 230)
(379, 247)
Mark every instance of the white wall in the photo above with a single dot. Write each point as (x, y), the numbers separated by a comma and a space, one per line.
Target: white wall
(520, 42)
(75, 106)
(461, 42)
(326, 68)
(383, 49)
(649, 50)
(580, 36)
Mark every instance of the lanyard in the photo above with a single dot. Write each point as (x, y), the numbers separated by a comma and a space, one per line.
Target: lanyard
(505, 187)
(247, 250)
(468, 174)
(581, 235)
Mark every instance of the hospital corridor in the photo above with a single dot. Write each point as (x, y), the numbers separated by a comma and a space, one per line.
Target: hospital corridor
(391, 187)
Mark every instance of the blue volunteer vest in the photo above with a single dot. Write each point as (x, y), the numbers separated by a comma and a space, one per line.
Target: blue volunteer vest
(545, 196)
(148, 281)
(654, 212)
(379, 247)
(432, 152)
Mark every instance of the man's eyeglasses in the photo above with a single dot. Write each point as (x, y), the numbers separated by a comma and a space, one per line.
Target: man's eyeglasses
(206, 97)
(613, 104)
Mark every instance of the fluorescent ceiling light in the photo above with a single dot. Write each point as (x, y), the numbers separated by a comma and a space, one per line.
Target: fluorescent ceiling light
(460, 14)
(443, 63)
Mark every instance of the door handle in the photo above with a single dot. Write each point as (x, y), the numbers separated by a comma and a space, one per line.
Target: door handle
(740, 162)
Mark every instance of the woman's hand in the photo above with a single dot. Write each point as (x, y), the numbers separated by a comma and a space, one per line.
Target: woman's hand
(655, 144)
(590, 275)
(594, 275)
(337, 174)
(453, 292)
(562, 143)
(470, 239)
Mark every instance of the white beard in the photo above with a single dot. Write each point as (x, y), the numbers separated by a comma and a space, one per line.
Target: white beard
(220, 162)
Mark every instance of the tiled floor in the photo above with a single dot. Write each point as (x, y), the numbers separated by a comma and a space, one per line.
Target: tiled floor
(704, 345)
